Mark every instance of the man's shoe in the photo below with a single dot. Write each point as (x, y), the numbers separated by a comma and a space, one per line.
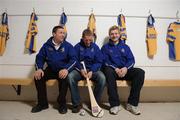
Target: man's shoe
(133, 109)
(39, 108)
(76, 108)
(114, 110)
(62, 109)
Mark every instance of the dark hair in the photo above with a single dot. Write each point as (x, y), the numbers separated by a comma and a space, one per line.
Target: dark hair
(87, 32)
(56, 28)
(114, 27)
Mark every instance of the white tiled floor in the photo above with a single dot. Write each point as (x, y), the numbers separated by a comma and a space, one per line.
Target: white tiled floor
(18, 110)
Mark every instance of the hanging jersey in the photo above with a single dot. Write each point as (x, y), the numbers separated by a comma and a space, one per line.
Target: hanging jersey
(122, 26)
(31, 34)
(151, 37)
(173, 39)
(92, 25)
(63, 21)
(4, 33)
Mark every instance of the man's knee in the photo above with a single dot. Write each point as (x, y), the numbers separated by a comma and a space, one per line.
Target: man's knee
(71, 77)
(107, 70)
(101, 78)
(141, 72)
(140, 75)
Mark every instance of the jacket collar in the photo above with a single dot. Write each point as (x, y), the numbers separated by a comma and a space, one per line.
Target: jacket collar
(82, 43)
(112, 43)
(50, 42)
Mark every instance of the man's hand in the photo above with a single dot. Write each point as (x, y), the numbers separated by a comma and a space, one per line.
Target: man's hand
(118, 72)
(38, 74)
(63, 73)
(121, 72)
(89, 75)
(84, 73)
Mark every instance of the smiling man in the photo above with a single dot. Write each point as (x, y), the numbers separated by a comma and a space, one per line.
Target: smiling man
(60, 58)
(90, 53)
(119, 62)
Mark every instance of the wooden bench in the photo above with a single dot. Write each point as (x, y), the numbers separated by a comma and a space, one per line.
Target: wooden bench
(28, 81)
(120, 83)
(16, 82)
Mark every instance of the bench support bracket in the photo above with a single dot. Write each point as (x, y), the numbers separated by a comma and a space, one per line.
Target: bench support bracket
(17, 89)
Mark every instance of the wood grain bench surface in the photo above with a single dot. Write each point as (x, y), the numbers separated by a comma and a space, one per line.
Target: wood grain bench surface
(51, 82)
(147, 83)
(16, 81)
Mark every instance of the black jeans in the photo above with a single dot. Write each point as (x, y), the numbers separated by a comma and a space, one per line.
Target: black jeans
(42, 91)
(135, 75)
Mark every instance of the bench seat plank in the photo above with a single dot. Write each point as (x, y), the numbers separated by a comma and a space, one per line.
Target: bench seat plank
(120, 83)
(16, 81)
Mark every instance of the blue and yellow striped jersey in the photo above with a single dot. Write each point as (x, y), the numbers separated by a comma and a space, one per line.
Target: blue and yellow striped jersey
(151, 37)
(173, 39)
(4, 33)
(92, 25)
(122, 26)
(31, 34)
(63, 20)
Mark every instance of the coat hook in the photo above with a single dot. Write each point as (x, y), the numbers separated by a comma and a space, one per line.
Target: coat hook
(33, 10)
(121, 11)
(149, 12)
(62, 9)
(92, 10)
(6, 10)
(177, 15)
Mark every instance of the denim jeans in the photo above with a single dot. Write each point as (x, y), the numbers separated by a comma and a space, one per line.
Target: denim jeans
(97, 77)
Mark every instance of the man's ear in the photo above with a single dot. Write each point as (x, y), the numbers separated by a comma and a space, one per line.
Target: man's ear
(53, 34)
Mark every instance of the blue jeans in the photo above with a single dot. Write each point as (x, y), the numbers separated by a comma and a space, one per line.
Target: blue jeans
(97, 77)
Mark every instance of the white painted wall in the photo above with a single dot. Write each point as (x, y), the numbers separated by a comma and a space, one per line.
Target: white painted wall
(15, 63)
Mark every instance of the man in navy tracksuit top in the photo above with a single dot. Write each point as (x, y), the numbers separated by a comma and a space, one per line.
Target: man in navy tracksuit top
(90, 53)
(119, 62)
(60, 58)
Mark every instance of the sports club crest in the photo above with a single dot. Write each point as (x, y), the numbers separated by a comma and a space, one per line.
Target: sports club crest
(62, 49)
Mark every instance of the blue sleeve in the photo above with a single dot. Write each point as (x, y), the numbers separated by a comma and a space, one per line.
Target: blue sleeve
(107, 57)
(98, 60)
(72, 58)
(78, 64)
(40, 58)
(130, 58)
